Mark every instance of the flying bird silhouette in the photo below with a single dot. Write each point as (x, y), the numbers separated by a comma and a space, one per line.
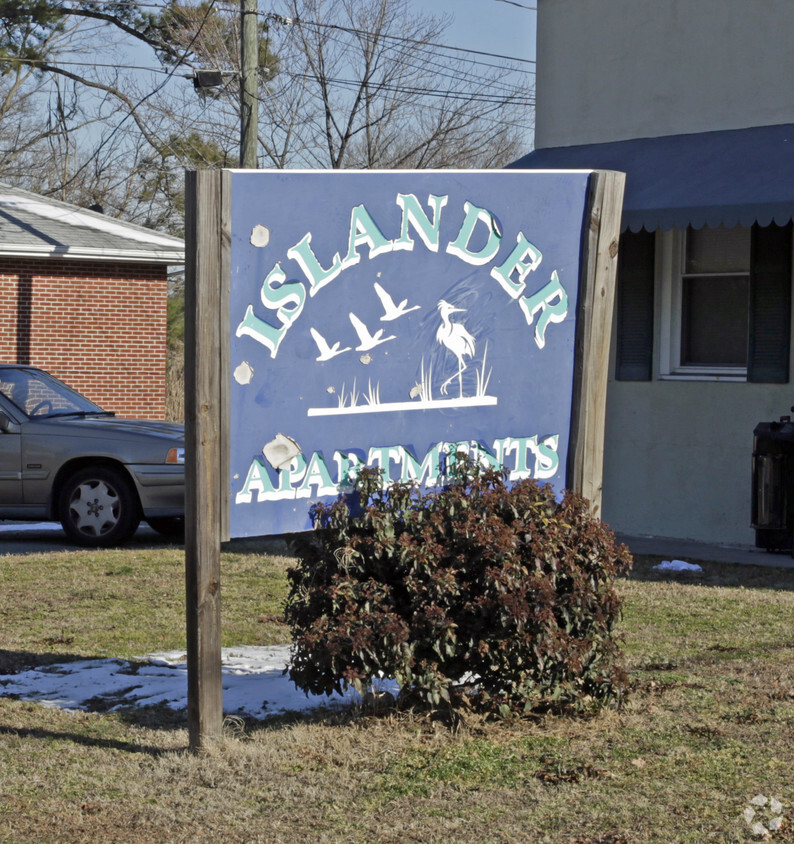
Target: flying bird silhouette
(457, 339)
(326, 352)
(392, 311)
(368, 341)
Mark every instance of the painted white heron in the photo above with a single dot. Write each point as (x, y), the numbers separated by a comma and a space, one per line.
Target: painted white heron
(391, 310)
(457, 339)
(368, 341)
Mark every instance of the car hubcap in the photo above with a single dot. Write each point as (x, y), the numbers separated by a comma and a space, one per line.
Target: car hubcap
(94, 508)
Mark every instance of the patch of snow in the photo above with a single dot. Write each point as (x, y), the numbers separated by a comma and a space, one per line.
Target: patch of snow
(254, 683)
(29, 526)
(677, 565)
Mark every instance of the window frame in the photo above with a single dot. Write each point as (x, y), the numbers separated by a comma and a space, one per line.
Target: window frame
(670, 274)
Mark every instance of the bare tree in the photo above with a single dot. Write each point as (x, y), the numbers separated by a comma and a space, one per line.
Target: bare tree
(74, 125)
(366, 84)
(36, 113)
(342, 83)
(389, 96)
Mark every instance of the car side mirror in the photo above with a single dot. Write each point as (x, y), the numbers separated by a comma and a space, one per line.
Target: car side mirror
(5, 421)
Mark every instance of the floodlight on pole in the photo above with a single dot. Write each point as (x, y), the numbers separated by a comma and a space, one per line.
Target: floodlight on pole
(209, 78)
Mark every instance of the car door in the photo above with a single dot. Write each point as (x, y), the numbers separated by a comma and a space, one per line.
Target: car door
(10, 461)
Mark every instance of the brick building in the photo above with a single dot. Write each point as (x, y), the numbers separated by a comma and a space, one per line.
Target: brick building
(84, 296)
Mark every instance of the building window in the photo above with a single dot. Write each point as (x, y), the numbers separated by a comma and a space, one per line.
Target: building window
(715, 298)
(705, 303)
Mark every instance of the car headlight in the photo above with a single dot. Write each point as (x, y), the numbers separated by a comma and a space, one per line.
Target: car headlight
(175, 455)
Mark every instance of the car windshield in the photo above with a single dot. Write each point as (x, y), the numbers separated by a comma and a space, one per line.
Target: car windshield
(39, 395)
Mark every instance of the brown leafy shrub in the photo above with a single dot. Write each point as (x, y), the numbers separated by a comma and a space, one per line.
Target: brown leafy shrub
(478, 593)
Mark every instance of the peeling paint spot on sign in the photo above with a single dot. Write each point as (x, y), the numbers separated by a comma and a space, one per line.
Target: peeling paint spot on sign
(244, 373)
(260, 236)
(365, 359)
(280, 451)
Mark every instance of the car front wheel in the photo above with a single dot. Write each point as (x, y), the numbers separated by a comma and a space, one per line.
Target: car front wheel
(98, 507)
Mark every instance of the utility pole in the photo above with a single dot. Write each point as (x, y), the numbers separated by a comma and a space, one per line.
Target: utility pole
(249, 61)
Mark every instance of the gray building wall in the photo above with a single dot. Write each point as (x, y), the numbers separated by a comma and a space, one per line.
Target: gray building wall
(677, 457)
(614, 69)
(677, 453)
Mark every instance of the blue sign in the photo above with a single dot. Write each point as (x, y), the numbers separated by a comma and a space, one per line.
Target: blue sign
(390, 319)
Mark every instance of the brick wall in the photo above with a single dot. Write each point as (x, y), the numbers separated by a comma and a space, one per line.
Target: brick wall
(98, 326)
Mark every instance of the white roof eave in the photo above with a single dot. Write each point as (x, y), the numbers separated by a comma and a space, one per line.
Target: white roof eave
(160, 256)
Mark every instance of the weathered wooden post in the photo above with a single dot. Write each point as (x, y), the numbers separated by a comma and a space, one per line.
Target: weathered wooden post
(596, 299)
(206, 389)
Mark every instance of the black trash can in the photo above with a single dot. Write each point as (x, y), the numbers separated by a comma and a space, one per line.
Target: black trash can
(773, 485)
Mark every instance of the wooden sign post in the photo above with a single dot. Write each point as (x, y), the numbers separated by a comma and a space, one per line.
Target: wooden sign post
(596, 301)
(206, 422)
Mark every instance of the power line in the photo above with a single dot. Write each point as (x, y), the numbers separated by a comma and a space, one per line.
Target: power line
(434, 66)
(12, 60)
(431, 58)
(272, 15)
(464, 75)
(508, 93)
(423, 46)
(486, 84)
(355, 31)
(132, 3)
(520, 5)
(434, 60)
(428, 92)
(493, 105)
(482, 85)
(420, 50)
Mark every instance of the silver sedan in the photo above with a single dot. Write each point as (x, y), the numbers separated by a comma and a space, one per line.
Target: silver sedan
(63, 457)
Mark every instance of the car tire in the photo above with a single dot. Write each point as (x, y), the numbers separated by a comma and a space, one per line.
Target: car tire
(172, 527)
(98, 507)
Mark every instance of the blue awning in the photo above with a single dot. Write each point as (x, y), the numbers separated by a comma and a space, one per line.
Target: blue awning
(737, 176)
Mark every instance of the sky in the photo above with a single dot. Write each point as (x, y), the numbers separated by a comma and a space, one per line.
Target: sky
(503, 28)
(493, 26)
(500, 27)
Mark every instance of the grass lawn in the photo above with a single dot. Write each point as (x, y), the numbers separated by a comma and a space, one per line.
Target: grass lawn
(708, 725)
